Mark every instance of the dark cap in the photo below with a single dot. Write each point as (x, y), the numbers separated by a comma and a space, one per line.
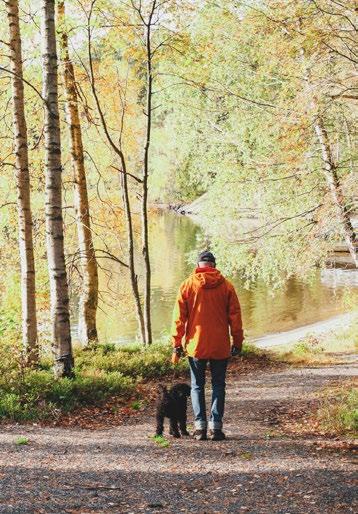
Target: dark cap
(206, 257)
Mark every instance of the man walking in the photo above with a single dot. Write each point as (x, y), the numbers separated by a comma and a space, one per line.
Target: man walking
(206, 308)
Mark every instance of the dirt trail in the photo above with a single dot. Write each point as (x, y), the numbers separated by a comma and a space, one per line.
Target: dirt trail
(121, 470)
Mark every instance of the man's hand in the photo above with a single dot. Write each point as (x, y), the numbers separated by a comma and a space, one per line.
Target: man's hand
(235, 351)
(177, 353)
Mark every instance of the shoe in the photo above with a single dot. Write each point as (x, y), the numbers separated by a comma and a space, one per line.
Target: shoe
(200, 435)
(217, 435)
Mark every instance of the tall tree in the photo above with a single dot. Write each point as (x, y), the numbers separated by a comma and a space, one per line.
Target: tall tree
(148, 23)
(29, 323)
(60, 315)
(89, 291)
(145, 234)
(150, 14)
(329, 166)
(124, 175)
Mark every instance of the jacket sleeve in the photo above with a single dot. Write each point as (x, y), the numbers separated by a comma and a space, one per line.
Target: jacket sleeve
(235, 320)
(180, 317)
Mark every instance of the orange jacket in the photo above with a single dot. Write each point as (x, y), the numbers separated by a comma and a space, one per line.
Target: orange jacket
(206, 307)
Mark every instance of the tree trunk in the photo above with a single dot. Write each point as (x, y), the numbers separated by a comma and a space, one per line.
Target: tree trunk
(145, 232)
(28, 291)
(349, 146)
(130, 235)
(60, 316)
(89, 293)
(332, 179)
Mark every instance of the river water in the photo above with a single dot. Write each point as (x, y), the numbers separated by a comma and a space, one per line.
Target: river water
(173, 237)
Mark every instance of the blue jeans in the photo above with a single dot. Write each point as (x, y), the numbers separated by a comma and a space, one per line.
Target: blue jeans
(218, 373)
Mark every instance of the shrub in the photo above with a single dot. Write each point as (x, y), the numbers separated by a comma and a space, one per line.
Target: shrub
(307, 350)
(133, 361)
(15, 408)
(102, 372)
(310, 344)
(38, 395)
(10, 406)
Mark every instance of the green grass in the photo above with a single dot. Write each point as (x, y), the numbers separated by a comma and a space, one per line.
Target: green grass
(339, 410)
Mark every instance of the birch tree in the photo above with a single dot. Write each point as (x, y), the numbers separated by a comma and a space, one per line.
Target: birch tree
(333, 183)
(28, 290)
(60, 316)
(89, 292)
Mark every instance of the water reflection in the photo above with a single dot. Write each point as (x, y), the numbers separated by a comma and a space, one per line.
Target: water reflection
(172, 238)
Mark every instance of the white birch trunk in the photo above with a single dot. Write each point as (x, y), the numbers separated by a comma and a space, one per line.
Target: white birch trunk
(89, 293)
(28, 291)
(60, 316)
(334, 186)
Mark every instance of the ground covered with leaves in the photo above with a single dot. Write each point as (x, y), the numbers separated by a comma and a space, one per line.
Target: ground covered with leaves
(267, 465)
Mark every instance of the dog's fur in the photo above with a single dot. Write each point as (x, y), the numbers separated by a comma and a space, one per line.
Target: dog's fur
(172, 404)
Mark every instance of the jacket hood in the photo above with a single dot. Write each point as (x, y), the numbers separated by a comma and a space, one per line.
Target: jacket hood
(207, 279)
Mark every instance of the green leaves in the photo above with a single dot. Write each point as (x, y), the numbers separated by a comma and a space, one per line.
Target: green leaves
(160, 441)
(21, 441)
(242, 134)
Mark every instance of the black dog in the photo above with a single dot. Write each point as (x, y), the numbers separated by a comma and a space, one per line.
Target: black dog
(172, 404)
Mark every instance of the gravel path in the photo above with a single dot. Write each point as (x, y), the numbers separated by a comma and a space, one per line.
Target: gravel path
(122, 470)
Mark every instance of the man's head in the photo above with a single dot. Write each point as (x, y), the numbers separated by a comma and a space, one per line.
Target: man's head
(206, 259)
